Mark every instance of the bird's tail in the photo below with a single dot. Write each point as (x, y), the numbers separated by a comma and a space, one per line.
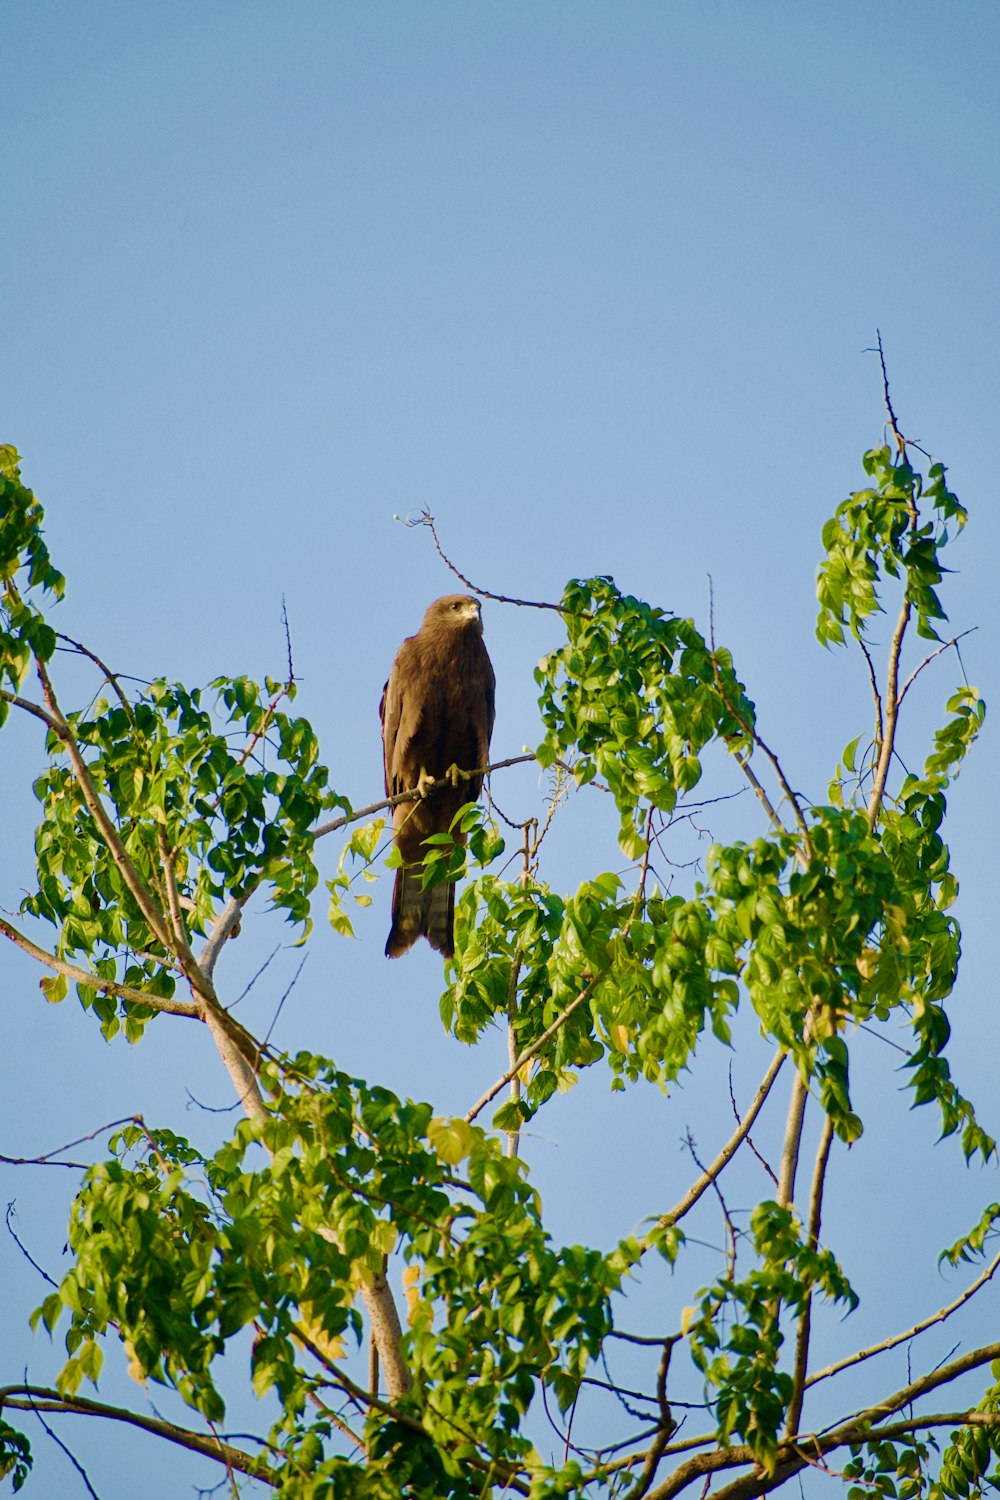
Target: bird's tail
(419, 913)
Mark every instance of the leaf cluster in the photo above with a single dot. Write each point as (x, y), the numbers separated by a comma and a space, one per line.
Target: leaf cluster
(213, 794)
(634, 697)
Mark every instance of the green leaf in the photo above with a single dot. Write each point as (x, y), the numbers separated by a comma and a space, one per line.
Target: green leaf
(54, 988)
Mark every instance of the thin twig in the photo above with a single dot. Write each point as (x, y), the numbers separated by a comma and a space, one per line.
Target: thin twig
(46, 1159)
(109, 676)
(910, 1333)
(879, 729)
(893, 424)
(288, 991)
(766, 1165)
(725, 1155)
(727, 1219)
(928, 659)
(78, 1466)
(426, 519)
(11, 1210)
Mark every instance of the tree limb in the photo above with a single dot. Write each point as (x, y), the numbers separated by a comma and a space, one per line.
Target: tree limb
(793, 1138)
(805, 1321)
(42, 1398)
(356, 814)
(910, 1333)
(535, 1048)
(95, 982)
(109, 833)
(860, 1428)
(729, 1150)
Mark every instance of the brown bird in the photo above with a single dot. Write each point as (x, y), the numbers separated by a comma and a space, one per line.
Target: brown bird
(437, 714)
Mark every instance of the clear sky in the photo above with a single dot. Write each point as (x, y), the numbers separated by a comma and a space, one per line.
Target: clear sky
(594, 282)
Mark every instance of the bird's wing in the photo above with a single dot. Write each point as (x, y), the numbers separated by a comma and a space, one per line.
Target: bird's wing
(390, 711)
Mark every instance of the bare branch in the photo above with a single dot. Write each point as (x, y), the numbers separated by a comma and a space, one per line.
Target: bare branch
(766, 1165)
(860, 1428)
(805, 1321)
(225, 926)
(793, 1137)
(11, 1210)
(78, 1466)
(725, 1155)
(95, 982)
(356, 814)
(928, 659)
(81, 1166)
(426, 519)
(893, 424)
(28, 707)
(892, 702)
(877, 696)
(762, 796)
(910, 1333)
(109, 676)
(42, 1398)
(535, 1048)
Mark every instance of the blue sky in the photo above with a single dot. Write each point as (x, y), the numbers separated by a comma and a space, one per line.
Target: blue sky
(592, 281)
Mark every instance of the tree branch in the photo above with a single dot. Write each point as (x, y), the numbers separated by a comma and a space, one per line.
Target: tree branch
(356, 814)
(793, 1137)
(805, 1321)
(30, 708)
(728, 1151)
(877, 696)
(95, 982)
(426, 519)
(109, 676)
(860, 1428)
(928, 659)
(892, 702)
(109, 833)
(910, 1333)
(42, 1398)
(535, 1048)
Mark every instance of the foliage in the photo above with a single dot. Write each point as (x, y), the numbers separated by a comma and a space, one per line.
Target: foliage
(162, 810)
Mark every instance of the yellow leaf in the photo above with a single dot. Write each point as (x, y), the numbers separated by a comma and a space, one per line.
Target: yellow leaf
(411, 1286)
(135, 1369)
(619, 1036)
(331, 1346)
(688, 1315)
(867, 962)
(451, 1139)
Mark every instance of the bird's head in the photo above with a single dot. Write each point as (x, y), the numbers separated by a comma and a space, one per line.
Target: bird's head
(455, 611)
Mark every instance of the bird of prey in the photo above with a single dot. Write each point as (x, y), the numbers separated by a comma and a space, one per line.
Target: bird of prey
(437, 714)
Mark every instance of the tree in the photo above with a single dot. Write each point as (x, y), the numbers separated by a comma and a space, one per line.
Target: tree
(333, 1203)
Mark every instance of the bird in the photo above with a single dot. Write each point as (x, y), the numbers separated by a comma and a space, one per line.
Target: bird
(437, 713)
